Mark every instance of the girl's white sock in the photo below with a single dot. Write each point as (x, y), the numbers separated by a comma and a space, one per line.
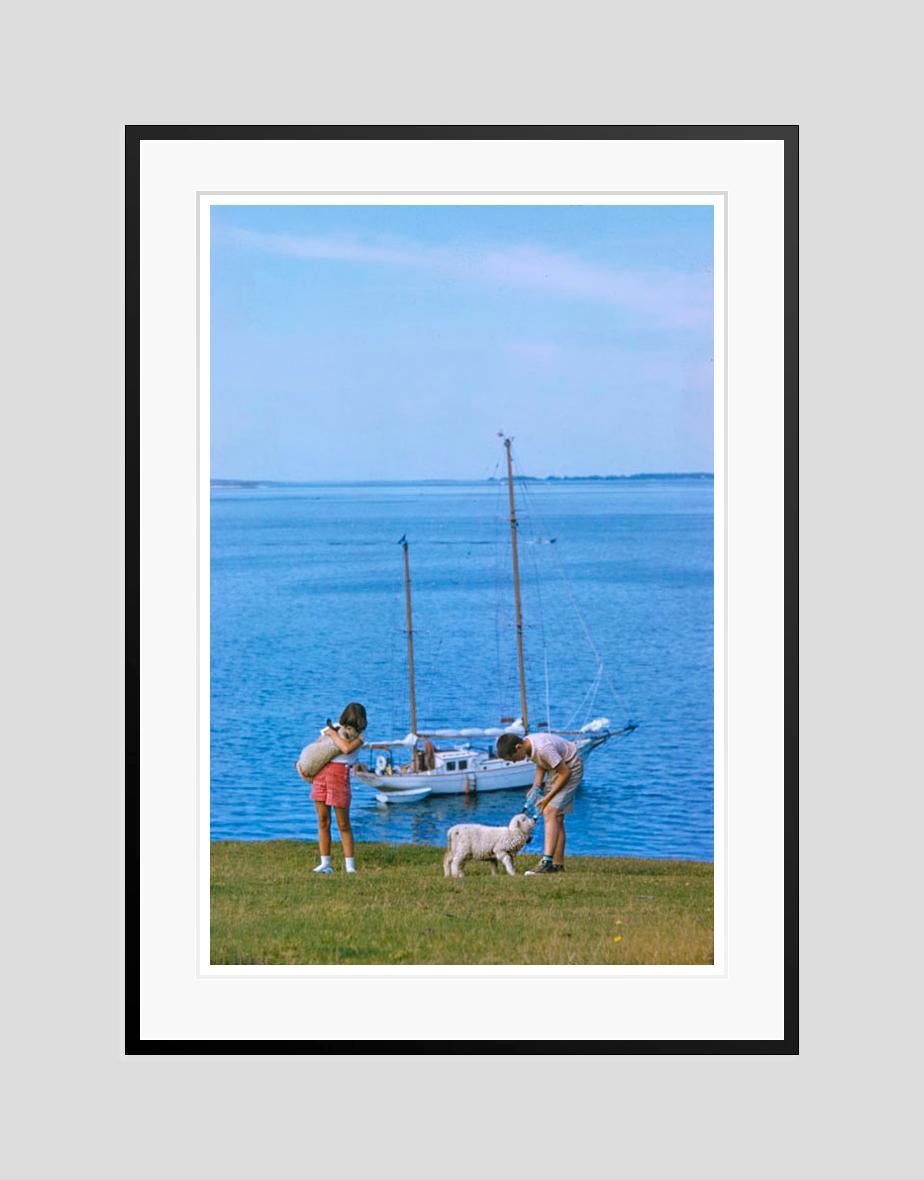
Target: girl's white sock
(324, 866)
(350, 864)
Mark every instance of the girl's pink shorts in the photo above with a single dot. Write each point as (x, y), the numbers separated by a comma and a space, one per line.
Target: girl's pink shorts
(332, 785)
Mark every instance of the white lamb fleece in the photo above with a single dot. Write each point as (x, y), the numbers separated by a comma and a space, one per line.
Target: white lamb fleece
(479, 842)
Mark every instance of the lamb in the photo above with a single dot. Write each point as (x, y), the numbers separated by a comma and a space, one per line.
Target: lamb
(316, 756)
(479, 842)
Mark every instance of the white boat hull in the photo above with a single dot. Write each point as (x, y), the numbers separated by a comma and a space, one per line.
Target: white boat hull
(403, 796)
(493, 775)
(504, 777)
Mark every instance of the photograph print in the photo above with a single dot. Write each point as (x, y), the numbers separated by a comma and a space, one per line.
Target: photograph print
(462, 582)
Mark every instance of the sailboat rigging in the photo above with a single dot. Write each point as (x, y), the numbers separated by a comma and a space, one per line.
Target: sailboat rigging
(516, 588)
(461, 768)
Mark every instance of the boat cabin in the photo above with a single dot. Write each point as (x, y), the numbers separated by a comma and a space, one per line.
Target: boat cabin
(461, 759)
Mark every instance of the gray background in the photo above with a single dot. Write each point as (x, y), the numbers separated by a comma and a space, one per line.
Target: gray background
(74, 76)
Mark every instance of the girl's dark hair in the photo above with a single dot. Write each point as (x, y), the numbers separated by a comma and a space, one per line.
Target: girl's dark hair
(354, 714)
(507, 745)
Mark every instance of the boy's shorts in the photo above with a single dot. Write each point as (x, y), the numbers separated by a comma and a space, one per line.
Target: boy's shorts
(331, 785)
(563, 801)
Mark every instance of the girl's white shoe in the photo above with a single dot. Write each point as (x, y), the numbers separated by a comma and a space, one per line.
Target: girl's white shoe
(323, 869)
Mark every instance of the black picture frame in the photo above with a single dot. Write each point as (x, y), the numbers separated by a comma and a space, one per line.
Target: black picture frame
(135, 136)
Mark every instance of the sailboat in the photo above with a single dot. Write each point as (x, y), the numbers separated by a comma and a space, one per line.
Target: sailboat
(414, 767)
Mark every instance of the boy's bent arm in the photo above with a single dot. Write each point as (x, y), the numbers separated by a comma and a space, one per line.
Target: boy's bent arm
(564, 774)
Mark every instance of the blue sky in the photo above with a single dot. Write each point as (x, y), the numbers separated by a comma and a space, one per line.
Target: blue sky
(394, 342)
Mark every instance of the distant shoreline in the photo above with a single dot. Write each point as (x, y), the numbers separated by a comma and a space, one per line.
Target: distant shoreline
(339, 483)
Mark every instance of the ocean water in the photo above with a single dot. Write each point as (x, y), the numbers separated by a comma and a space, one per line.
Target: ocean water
(307, 614)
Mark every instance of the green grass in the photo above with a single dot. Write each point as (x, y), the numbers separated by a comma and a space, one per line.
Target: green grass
(269, 907)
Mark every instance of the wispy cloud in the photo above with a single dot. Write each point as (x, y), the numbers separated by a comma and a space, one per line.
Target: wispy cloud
(621, 367)
(670, 297)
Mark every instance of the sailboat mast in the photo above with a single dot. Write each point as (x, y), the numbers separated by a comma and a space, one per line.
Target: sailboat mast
(410, 635)
(516, 587)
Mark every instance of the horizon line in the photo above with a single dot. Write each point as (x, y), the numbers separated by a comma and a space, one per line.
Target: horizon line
(259, 481)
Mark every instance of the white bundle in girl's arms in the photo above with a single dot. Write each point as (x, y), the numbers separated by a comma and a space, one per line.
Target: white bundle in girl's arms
(317, 754)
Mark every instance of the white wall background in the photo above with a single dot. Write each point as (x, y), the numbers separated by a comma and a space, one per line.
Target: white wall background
(74, 76)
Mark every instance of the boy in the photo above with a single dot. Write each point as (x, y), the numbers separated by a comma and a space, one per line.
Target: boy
(553, 756)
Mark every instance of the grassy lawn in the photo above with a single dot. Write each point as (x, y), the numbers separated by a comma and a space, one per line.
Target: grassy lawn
(269, 907)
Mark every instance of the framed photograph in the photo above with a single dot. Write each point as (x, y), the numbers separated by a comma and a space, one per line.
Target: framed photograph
(463, 648)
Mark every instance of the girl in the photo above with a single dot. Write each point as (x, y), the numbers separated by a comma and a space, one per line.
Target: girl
(331, 788)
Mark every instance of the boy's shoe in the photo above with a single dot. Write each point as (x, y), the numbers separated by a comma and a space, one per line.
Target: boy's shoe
(544, 866)
(323, 869)
(558, 868)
